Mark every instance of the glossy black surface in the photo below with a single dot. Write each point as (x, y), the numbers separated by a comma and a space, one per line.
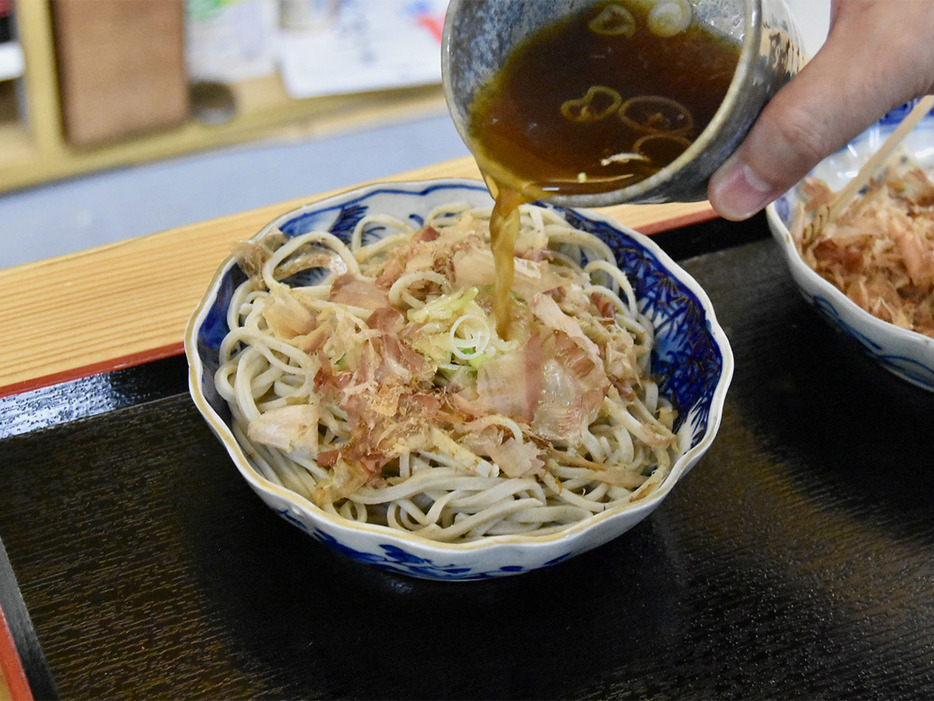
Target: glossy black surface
(795, 561)
(89, 396)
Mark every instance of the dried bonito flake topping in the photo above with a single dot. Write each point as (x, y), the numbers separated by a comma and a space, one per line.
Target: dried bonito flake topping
(368, 376)
(880, 250)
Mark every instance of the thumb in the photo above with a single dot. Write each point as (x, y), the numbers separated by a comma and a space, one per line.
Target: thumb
(854, 79)
(787, 140)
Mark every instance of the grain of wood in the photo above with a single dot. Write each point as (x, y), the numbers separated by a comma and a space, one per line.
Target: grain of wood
(129, 302)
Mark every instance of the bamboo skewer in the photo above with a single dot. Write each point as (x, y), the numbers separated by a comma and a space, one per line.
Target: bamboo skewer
(870, 168)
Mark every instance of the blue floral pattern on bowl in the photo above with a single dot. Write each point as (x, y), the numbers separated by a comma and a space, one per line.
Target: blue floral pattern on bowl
(910, 368)
(904, 353)
(692, 360)
(396, 558)
(686, 358)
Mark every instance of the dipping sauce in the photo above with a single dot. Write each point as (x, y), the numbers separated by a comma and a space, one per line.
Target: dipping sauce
(599, 101)
(594, 103)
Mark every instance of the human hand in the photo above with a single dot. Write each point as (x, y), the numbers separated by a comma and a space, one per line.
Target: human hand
(878, 55)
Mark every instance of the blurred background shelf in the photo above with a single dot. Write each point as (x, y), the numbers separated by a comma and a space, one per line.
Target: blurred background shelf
(11, 60)
(36, 109)
(15, 145)
(25, 160)
(58, 199)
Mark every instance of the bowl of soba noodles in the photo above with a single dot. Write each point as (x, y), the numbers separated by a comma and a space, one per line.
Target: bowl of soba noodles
(589, 103)
(400, 390)
(869, 271)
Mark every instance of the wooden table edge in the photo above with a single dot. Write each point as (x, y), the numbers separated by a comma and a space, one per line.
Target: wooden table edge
(128, 303)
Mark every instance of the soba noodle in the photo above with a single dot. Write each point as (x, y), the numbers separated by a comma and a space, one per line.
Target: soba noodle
(370, 378)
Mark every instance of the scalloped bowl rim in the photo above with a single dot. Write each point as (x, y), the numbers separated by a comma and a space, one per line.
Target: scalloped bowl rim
(837, 169)
(567, 536)
(790, 251)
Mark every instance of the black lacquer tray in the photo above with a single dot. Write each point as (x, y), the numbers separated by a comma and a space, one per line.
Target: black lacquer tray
(795, 561)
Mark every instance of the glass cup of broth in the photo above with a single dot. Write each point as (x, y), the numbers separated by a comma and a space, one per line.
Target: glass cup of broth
(597, 102)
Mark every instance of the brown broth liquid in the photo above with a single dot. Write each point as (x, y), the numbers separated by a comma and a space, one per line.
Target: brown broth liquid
(579, 111)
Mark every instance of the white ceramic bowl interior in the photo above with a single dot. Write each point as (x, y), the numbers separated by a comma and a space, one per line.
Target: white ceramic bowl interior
(905, 353)
(692, 360)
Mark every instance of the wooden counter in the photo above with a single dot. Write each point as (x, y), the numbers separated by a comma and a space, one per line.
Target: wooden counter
(127, 303)
(792, 562)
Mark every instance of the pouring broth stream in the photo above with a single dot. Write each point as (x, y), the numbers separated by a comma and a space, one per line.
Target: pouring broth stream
(594, 103)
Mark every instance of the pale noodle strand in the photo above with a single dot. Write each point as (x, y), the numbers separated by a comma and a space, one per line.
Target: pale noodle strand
(356, 238)
(475, 521)
(399, 294)
(326, 238)
(448, 214)
(445, 491)
(617, 276)
(478, 341)
(483, 422)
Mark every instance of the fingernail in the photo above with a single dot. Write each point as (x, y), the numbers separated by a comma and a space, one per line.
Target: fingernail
(737, 192)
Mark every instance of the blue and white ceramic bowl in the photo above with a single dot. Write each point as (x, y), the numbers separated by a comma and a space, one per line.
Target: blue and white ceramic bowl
(905, 353)
(692, 359)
